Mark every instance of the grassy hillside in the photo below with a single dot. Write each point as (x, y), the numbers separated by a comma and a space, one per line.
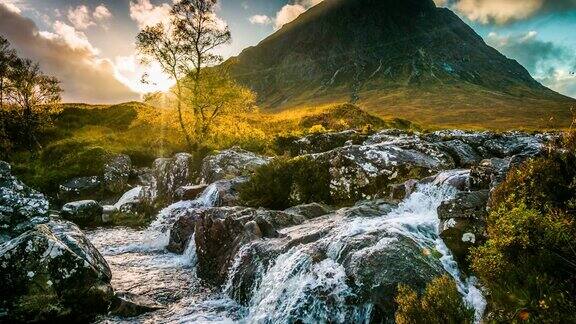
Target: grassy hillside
(83, 136)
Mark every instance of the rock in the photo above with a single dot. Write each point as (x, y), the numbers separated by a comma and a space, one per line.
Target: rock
(513, 143)
(190, 192)
(169, 174)
(463, 222)
(489, 173)
(223, 193)
(18, 203)
(117, 173)
(463, 154)
(182, 230)
(401, 191)
(126, 304)
(83, 213)
(364, 172)
(80, 188)
(309, 211)
(231, 163)
(53, 273)
(107, 212)
(458, 179)
(318, 143)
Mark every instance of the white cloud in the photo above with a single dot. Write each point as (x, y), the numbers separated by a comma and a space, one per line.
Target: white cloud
(102, 13)
(292, 11)
(80, 17)
(260, 20)
(146, 14)
(130, 72)
(67, 54)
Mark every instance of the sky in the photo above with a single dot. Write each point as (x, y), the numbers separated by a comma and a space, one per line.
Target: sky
(89, 44)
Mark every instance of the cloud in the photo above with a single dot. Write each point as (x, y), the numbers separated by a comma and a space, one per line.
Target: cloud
(505, 11)
(102, 13)
(546, 61)
(260, 20)
(80, 17)
(67, 54)
(292, 11)
(145, 13)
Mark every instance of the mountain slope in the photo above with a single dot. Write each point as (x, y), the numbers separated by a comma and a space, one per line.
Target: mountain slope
(396, 58)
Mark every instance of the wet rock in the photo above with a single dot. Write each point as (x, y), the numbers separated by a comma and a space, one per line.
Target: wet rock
(489, 173)
(458, 179)
(80, 188)
(309, 211)
(224, 192)
(53, 273)
(463, 222)
(18, 202)
(169, 174)
(83, 213)
(231, 163)
(126, 304)
(463, 154)
(401, 191)
(182, 230)
(190, 192)
(363, 172)
(509, 144)
(117, 173)
(318, 143)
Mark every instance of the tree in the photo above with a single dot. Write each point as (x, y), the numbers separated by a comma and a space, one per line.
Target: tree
(184, 49)
(7, 60)
(32, 95)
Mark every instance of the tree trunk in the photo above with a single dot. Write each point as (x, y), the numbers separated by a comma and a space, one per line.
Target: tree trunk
(181, 118)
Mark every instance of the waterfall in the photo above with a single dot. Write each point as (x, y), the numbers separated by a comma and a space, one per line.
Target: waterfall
(295, 287)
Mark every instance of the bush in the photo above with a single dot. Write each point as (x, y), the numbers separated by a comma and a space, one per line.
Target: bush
(528, 264)
(440, 303)
(287, 182)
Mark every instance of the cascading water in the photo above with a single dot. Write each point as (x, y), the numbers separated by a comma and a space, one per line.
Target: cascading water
(295, 287)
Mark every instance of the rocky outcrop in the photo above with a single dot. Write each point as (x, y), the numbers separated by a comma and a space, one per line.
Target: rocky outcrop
(169, 174)
(117, 173)
(318, 143)
(310, 211)
(49, 270)
(463, 222)
(366, 171)
(80, 188)
(83, 213)
(229, 164)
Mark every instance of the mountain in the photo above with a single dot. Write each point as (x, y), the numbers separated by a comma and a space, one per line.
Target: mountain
(405, 59)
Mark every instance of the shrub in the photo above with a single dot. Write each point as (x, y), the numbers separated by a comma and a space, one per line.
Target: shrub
(287, 182)
(527, 263)
(440, 303)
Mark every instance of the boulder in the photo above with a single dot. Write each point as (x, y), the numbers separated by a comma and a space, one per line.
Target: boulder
(18, 203)
(117, 173)
(318, 143)
(309, 211)
(489, 173)
(80, 188)
(463, 222)
(514, 143)
(190, 192)
(169, 174)
(231, 163)
(53, 273)
(367, 171)
(401, 191)
(83, 213)
(463, 154)
(458, 179)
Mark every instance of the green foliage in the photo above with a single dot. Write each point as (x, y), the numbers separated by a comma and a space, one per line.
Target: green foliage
(440, 303)
(528, 264)
(287, 182)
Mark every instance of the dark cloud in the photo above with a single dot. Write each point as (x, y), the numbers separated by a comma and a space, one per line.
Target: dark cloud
(68, 55)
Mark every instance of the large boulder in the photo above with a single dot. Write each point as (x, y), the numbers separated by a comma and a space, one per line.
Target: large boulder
(49, 270)
(463, 222)
(83, 213)
(366, 171)
(117, 172)
(514, 143)
(169, 174)
(53, 273)
(489, 173)
(229, 164)
(463, 154)
(318, 143)
(80, 188)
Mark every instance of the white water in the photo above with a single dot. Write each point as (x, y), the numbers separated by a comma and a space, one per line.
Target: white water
(294, 287)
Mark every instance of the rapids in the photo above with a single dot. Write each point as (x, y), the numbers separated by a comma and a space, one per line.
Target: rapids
(293, 286)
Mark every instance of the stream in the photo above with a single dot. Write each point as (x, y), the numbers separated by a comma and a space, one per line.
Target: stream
(294, 286)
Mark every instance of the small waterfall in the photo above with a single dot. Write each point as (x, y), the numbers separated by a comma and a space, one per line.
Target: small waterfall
(295, 287)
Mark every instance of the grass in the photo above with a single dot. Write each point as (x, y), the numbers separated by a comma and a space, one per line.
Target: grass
(84, 135)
